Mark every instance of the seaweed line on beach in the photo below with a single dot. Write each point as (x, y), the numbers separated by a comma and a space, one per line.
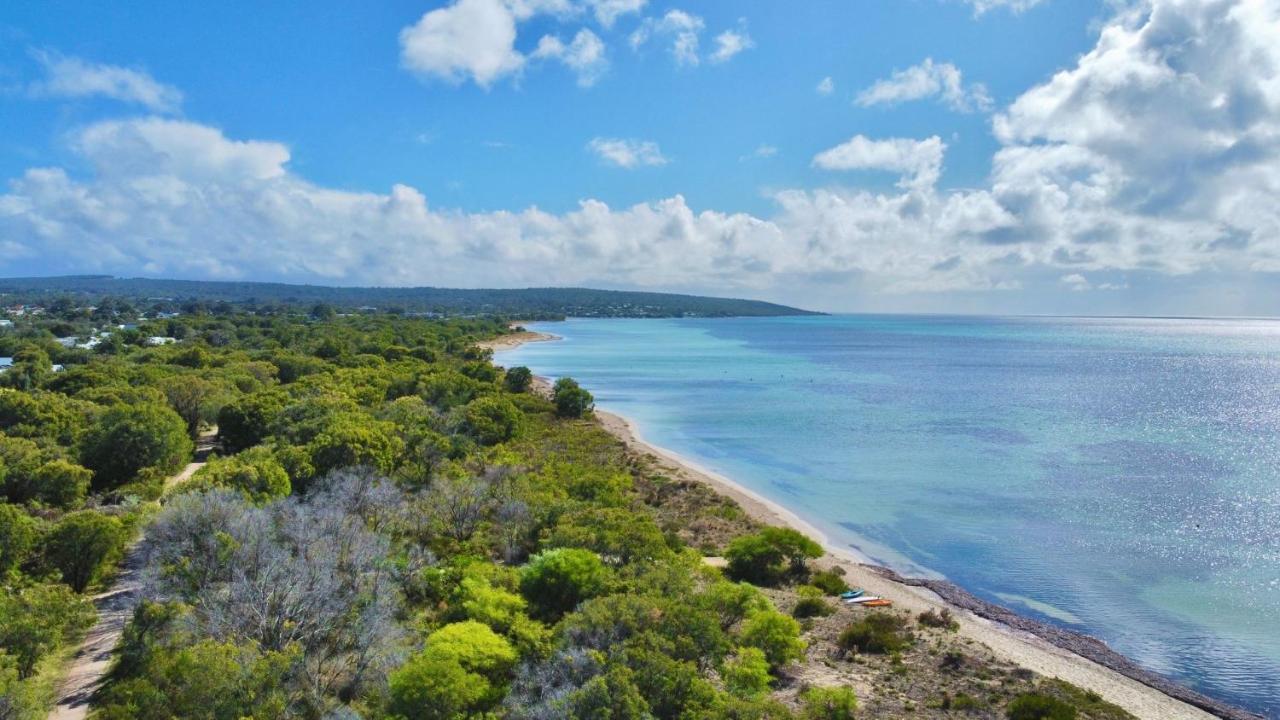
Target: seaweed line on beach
(1078, 643)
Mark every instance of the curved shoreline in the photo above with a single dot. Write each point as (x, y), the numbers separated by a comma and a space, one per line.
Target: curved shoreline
(1049, 650)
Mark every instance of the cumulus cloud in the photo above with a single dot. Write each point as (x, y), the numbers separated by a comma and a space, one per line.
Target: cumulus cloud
(680, 28)
(1160, 148)
(608, 11)
(198, 203)
(927, 80)
(470, 39)
(1156, 152)
(919, 162)
(826, 86)
(476, 39)
(730, 43)
(627, 153)
(585, 55)
(72, 77)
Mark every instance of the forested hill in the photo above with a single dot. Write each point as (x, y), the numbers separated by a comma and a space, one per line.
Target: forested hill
(530, 303)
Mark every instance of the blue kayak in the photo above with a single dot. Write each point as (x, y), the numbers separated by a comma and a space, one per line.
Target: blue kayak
(851, 594)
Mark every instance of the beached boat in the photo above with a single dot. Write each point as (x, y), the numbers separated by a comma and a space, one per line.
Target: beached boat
(851, 594)
(862, 599)
(878, 602)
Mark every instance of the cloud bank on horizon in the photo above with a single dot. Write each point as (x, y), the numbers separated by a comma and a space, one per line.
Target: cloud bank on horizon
(1155, 153)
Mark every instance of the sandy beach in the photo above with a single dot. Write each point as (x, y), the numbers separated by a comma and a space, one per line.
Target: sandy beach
(516, 339)
(1016, 644)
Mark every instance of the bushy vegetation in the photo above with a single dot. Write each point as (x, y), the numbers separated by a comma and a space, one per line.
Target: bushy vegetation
(389, 527)
(771, 556)
(876, 633)
(1033, 706)
(830, 703)
(942, 619)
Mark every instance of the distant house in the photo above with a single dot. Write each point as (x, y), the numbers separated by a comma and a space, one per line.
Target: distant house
(68, 342)
(157, 340)
(59, 368)
(5, 364)
(6, 323)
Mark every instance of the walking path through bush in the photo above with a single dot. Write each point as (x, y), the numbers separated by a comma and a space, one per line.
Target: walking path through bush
(115, 606)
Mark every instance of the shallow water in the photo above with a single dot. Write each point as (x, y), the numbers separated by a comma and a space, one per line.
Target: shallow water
(1116, 476)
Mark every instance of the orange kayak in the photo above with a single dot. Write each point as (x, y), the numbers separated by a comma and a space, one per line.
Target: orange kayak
(878, 602)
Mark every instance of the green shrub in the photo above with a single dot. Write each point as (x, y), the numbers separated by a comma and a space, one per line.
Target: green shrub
(18, 535)
(247, 421)
(555, 581)
(611, 696)
(770, 556)
(83, 545)
(256, 473)
(775, 634)
(492, 419)
(37, 619)
(209, 679)
(808, 607)
(876, 633)
(746, 673)
(938, 619)
(129, 438)
(829, 703)
(460, 672)
(518, 379)
(354, 441)
(571, 400)
(1033, 706)
(829, 582)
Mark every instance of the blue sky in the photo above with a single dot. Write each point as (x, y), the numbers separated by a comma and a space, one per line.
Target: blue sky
(685, 146)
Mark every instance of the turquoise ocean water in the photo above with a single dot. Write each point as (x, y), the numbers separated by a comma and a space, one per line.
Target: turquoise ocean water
(1116, 476)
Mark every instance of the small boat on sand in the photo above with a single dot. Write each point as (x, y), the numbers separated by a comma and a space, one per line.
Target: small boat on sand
(878, 602)
(862, 599)
(851, 594)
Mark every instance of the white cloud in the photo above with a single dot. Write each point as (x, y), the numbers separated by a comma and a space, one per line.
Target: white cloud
(608, 11)
(919, 162)
(525, 9)
(154, 147)
(681, 28)
(1160, 149)
(928, 79)
(730, 43)
(1157, 152)
(72, 77)
(476, 39)
(1075, 282)
(197, 203)
(470, 39)
(826, 86)
(627, 153)
(585, 55)
(983, 6)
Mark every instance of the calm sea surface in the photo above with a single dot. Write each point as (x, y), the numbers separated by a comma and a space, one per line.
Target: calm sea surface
(1116, 476)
